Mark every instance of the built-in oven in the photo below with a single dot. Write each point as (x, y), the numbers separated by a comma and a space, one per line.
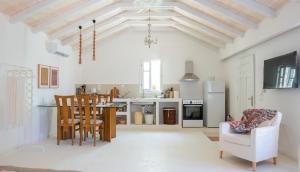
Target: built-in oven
(192, 113)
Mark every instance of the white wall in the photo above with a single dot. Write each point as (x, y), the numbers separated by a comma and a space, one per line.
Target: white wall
(287, 101)
(119, 58)
(20, 47)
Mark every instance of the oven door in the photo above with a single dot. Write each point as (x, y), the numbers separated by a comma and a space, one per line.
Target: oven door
(193, 112)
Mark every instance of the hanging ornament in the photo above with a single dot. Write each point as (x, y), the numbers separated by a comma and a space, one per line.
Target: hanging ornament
(94, 41)
(80, 44)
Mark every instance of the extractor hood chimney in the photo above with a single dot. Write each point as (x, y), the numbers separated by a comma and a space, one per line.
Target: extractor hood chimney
(189, 75)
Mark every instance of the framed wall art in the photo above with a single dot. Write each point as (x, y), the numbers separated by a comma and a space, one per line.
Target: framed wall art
(43, 76)
(54, 77)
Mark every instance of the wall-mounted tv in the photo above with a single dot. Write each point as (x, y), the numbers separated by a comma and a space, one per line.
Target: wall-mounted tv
(281, 72)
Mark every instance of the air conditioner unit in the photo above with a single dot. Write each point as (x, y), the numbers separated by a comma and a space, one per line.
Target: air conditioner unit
(56, 48)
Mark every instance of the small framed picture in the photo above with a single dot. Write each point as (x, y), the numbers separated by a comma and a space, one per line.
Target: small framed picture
(54, 77)
(43, 76)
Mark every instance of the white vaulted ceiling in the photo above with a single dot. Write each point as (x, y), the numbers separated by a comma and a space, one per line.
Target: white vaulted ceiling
(215, 22)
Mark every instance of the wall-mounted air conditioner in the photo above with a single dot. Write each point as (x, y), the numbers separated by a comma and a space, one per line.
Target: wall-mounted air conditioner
(57, 49)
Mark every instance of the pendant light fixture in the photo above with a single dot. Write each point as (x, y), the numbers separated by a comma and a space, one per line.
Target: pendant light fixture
(94, 41)
(148, 39)
(80, 45)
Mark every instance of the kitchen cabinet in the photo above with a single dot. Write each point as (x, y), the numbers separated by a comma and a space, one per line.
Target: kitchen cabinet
(156, 107)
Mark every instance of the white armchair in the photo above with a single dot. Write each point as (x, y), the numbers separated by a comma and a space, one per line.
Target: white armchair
(261, 144)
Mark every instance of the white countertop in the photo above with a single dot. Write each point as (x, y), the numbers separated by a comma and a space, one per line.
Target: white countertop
(147, 99)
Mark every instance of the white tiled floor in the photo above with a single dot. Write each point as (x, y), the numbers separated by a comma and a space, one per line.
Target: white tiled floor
(140, 150)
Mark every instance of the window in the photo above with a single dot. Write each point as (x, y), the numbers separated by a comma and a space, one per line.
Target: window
(285, 77)
(151, 76)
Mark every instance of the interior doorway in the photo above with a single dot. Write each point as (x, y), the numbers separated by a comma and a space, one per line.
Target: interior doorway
(247, 83)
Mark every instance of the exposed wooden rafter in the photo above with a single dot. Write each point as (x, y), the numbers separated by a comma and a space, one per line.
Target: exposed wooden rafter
(207, 20)
(167, 23)
(58, 19)
(209, 4)
(256, 7)
(33, 10)
(215, 22)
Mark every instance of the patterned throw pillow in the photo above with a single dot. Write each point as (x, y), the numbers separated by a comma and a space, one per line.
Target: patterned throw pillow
(251, 119)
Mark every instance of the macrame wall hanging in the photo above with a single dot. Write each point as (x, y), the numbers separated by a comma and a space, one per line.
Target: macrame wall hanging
(94, 42)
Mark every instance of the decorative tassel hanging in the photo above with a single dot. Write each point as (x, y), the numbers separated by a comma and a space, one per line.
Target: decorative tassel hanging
(94, 41)
(80, 45)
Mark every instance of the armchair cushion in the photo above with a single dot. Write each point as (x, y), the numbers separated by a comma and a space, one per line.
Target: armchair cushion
(241, 139)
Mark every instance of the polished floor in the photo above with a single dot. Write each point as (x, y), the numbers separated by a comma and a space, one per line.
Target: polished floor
(140, 150)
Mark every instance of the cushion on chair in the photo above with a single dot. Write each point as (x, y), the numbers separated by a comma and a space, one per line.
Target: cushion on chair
(241, 139)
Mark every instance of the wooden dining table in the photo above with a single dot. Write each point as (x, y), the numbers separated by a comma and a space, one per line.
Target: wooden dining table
(109, 118)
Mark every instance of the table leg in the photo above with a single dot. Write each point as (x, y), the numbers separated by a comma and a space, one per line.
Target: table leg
(109, 123)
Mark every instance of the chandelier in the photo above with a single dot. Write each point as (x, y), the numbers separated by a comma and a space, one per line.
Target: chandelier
(148, 39)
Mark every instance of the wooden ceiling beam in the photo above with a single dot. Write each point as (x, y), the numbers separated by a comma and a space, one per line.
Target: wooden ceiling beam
(123, 26)
(116, 21)
(203, 38)
(207, 20)
(33, 10)
(208, 40)
(226, 13)
(69, 13)
(256, 7)
(103, 14)
(202, 29)
(177, 7)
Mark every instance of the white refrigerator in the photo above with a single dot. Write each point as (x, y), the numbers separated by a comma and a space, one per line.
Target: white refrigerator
(214, 103)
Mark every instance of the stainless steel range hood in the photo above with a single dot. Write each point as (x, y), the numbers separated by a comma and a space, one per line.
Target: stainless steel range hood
(189, 75)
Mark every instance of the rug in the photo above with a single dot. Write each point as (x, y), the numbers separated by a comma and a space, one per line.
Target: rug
(213, 138)
(20, 169)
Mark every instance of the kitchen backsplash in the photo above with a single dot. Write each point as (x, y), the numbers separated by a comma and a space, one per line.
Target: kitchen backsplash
(126, 90)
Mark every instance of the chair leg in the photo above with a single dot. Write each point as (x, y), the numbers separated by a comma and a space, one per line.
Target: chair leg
(58, 135)
(94, 136)
(85, 134)
(72, 135)
(221, 154)
(254, 166)
(275, 160)
(80, 135)
(101, 133)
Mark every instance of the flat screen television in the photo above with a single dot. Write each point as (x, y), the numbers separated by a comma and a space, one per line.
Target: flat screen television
(281, 72)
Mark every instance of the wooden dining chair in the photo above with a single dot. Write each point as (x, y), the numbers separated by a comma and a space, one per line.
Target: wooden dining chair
(88, 119)
(65, 117)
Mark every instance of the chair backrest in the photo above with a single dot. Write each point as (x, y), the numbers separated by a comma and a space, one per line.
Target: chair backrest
(277, 119)
(65, 110)
(87, 109)
(105, 98)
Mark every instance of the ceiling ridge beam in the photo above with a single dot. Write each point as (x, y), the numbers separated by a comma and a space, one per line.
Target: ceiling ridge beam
(57, 19)
(207, 20)
(227, 13)
(117, 20)
(256, 7)
(165, 23)
(118, 8)
(114, 30)
(31, 11)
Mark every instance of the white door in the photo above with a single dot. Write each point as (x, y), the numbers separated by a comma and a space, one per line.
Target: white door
(247, 85)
